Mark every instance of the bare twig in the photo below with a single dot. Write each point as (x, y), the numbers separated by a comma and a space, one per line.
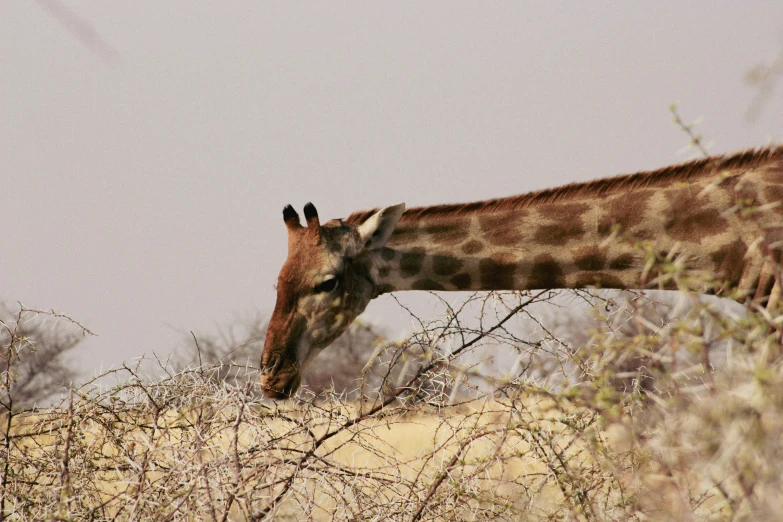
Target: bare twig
(696, 139)
(81, 29)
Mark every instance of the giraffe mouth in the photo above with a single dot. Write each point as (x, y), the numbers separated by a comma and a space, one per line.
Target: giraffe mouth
(284, 392)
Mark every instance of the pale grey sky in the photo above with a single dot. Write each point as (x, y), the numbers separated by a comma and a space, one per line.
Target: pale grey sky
(142, 182)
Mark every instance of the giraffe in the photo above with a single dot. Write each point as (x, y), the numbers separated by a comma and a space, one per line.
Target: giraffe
(582, 235)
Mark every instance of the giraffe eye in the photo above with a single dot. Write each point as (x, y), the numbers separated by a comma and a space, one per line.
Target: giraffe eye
(329, 285)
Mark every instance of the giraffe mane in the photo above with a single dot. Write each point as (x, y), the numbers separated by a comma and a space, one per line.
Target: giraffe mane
(682, 172)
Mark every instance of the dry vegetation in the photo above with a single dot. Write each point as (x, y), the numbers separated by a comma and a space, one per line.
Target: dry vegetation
(616, 406)
(649, 410)
(41, 367)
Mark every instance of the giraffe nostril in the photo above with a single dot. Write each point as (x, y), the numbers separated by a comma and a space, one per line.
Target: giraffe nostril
(272, 364)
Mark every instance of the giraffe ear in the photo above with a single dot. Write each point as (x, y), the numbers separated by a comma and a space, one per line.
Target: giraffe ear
(375, 232)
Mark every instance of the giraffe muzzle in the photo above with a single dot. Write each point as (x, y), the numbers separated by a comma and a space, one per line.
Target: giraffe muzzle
(284, 390)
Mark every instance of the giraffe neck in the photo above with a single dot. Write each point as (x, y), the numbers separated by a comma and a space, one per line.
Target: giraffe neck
(549, 246)
(587, 235)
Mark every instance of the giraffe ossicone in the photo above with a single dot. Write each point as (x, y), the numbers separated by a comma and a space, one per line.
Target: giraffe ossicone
(722, 214)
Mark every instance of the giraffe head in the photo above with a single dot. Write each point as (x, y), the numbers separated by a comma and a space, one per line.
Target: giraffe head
(327, 280)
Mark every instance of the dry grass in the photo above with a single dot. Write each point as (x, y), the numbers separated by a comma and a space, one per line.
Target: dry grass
(218, 452)
(648, 411)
